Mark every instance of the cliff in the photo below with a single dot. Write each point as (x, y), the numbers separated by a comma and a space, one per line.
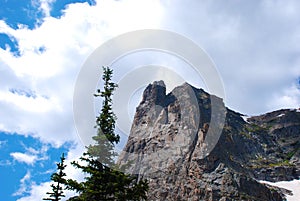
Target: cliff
(191, 147)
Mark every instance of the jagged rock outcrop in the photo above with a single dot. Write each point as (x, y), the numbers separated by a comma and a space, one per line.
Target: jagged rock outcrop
(191, 147)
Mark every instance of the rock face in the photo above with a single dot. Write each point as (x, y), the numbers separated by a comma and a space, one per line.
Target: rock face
(191, 147)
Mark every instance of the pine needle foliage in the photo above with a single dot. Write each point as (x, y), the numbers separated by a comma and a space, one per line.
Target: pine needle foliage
(58, 179)
(103, 180)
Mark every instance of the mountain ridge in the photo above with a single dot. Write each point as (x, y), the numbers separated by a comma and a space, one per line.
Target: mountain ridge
(192, 147)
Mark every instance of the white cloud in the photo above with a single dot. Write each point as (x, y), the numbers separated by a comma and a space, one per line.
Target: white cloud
(51, 74)
(24, 158)
(254, 46)
(289, 98)
(245, 52)
(43, 5)
(29, 104)
(24, 185)
(38, 192)
(73, 155)
(34, 151)
(31, 156)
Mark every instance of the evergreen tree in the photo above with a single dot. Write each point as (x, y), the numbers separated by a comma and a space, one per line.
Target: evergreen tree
(58, 177)
(103, 181)
(105, 123)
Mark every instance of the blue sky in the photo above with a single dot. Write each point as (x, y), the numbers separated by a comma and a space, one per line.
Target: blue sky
(26, 160)
(38, 165)
(28, 13)
(44, 44)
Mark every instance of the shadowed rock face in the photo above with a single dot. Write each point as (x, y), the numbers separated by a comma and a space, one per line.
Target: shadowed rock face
(190, 147)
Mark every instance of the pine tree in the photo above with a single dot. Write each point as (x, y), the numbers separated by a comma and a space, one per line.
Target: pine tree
(58, 177)
(103, 181)
(105, 123)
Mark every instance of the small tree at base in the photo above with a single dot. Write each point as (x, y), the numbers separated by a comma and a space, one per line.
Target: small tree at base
(58, 177)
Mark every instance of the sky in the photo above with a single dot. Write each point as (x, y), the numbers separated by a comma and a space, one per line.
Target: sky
(45, 43)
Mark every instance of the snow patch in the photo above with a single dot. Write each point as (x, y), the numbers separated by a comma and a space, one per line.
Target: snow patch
(245, 117)
(281, 115)
(295, 110)
(293, 186)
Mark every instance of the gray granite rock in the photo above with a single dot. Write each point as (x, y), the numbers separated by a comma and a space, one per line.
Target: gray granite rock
(191, 147)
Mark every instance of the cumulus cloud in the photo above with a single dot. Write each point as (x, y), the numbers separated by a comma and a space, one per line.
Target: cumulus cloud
(288, 98)
(255, 53)
(50, 57)
(43, 5)
(31, 156)
(38, 191)
(253, 44)
(24, 158)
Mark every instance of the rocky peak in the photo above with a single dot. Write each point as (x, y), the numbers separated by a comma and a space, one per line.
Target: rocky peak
(155, 93)
(181, 144)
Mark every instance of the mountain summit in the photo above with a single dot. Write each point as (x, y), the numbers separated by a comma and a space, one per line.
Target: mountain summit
(191, 147)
